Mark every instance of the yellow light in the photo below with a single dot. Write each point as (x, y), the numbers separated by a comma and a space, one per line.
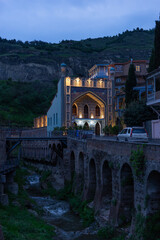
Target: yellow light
(102, 116)
(67, 81)
(80, 115)
(92, 116)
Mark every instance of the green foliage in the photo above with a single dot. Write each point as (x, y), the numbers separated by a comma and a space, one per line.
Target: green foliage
(157, 44)
(109, 130)
(137, 113)
(80, 207)
(110, 233)
(152, 227)
(137, 160)
(18, 224)
(130, 83)
(45, 175)
(21, 102)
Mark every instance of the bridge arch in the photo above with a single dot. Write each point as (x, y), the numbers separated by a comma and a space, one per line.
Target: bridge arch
(153, 192)
(126, 194)
(106, 183)
(92, 180)
(72, 164)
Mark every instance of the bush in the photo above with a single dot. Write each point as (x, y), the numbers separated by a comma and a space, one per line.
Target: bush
(137, 160)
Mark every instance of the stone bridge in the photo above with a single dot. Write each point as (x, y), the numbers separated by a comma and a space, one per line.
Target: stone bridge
(103, 174)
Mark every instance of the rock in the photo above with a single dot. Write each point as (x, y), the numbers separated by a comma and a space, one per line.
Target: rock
(13, 188)
(1, 234)
(33, 212)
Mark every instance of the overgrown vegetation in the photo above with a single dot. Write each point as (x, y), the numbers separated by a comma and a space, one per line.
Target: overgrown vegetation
(109, 130)
(137, 160)
(17, 223)
(20, 102)
(137, 113)
(110, 233)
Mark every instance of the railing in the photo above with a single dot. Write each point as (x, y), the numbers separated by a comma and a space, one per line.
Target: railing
(153, 96)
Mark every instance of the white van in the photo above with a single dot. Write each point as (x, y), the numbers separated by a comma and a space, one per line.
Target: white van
(134, 133)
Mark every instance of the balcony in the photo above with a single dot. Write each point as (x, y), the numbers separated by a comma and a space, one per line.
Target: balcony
(153, 98)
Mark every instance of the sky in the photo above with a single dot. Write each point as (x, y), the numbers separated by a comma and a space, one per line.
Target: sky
(57, 20)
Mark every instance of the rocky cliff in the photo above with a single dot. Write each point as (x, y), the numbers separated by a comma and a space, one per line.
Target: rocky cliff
(41, 61)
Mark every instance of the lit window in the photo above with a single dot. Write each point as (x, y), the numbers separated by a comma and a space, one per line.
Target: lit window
(74, 110)
(138, 68)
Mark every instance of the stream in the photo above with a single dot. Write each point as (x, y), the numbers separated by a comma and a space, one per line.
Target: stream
(68, 226)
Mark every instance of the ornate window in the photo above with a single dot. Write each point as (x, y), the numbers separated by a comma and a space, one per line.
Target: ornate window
(97, 111)
(74, 110)
(85, 111)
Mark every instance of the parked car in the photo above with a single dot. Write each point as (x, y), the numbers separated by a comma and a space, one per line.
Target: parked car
(134, 133)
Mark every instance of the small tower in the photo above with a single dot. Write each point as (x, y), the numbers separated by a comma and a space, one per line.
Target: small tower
(63, 69)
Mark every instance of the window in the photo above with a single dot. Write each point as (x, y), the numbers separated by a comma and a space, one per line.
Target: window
(110, 109)
(118, 80)
(110, 100)
(68, 98)
(67, 89)
(110, 118)
(67, 107)
(74, 110)
(67, 116)
(85, 111)
(51, 120)
(138, 68)
(56, 118)
(97, 111)
(95, 84)
(109, 92)
(83, 83)
(48, 122)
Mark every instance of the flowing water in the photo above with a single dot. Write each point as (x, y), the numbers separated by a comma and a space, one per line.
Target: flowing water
(68, 226)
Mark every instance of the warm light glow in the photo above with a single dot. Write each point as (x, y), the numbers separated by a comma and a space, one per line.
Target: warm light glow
(92, 116)
(102, 116)
(68, 81)
(80, 115)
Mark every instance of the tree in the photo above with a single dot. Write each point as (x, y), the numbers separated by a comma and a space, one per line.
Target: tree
(157, 44)
(137, 113)
(130, 83)
(155, 57)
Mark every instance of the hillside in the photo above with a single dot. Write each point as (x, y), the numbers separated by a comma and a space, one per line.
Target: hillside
(37, 60)
(20, 102)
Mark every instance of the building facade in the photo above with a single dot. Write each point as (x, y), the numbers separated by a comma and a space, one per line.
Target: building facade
(153, 99)
(83, 102)
(121, 74)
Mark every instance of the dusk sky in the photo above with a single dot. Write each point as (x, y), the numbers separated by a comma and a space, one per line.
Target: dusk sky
(57, 20)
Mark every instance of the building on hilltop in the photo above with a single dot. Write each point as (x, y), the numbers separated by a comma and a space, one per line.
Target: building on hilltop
(83, 102)
(121, 74)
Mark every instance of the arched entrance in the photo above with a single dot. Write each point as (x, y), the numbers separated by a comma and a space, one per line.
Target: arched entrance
(107, 183)
(80, 183)
(92, 181)
(85, 111)
(72, 164)
(74, 110)
(86, 126)
(127, 195)
(97, 111)
(97, 129)
(153, 192)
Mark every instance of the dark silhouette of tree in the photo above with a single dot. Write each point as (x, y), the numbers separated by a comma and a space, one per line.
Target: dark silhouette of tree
(130, 84)
(155, 57)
